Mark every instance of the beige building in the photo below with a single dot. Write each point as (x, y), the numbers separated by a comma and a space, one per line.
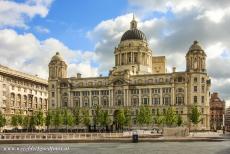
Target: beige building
(21, 93)
(138, 77)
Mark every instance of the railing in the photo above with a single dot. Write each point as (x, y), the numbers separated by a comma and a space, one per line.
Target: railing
(58, 136)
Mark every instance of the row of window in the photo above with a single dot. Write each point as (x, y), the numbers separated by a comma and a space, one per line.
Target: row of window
(21, 82)
(195, 80)
(195, 89)
(35, 92)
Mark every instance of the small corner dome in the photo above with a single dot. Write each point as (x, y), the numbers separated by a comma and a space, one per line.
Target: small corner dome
(57, 57)
(195, 46)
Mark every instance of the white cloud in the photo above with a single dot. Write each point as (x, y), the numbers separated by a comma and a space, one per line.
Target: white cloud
(172, 36)
(15, 14)
(26, 53)
(42, 29)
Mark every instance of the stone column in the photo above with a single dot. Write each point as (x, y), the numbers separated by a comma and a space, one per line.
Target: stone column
(161, 97)
(81, 99)
(90, 99)
(99, 97)
(139, 97)
(173, 95)
(127, 98)
(150, 98)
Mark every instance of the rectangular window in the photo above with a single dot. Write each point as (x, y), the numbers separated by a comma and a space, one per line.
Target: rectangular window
(195, 99)
(202, 89)
(53, 94)
(195, 89)
(195, 79)
(202, 99)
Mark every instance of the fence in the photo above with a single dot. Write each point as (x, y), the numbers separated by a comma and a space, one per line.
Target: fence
(58, 136)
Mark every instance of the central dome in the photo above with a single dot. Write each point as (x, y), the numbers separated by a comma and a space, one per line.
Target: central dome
(133, 33)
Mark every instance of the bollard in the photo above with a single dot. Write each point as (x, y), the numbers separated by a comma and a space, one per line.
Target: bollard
(135, 137)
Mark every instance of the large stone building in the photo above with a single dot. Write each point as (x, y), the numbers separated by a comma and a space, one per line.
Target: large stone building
(138, 77)
(217, 109)
(227, 119)
(21, 93)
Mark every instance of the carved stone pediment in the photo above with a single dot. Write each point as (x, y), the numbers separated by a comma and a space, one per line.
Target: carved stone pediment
(119, 78)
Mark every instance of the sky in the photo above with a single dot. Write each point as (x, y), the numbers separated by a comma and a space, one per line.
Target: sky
(86, 33)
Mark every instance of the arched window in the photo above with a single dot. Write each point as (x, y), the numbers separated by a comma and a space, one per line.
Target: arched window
(25, 100)
(180, 99)
(19, 100)
(76, 102)
(65, 102)
(166, 100)
(12, 99)
(156, 100)
(134, 101)
(86, 101)
(95, 101)
(105, 101)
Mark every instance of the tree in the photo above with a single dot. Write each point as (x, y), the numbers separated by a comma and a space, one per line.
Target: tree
(76, 114)
(144, 116)
(68, 118)
(194, 116)
(14, 121)
(105, 119)
(159, 119)
(33, 121)
(170, 117)
(40, 119)
(119, 118)
(2, 120)
(25, 122)
(85, 117)
(127, 117)
(49, 119)
(179, 120)
(97, 116)
(57, 118)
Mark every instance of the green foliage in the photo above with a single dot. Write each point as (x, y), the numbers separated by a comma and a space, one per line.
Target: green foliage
(40, 119)
(76, 114)
(159, 119)
(105, 119)
(57, 118)
(170, 117)
(86, 117)
(127, 113)
(68, 118)
(2, 120)
(97, 116)
(33, 121)
(25, 122)
(144, 116)
(194, 116)
(119, 118)
(179, 120)
(49, 119)
(14, 120)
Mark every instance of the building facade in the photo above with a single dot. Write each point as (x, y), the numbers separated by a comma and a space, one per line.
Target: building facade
(227, 119)
(21, 93)
(138, 77)
(217, 109)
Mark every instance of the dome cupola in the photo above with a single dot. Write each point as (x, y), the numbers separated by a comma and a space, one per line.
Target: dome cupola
(133, 33)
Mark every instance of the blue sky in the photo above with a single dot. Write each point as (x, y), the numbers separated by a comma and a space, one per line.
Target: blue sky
(69, 20)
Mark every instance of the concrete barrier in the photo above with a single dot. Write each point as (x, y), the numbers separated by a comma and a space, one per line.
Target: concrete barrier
(176, 131)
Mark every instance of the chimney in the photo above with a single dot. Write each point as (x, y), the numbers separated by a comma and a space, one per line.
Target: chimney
(174, 69)
(78, 75)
